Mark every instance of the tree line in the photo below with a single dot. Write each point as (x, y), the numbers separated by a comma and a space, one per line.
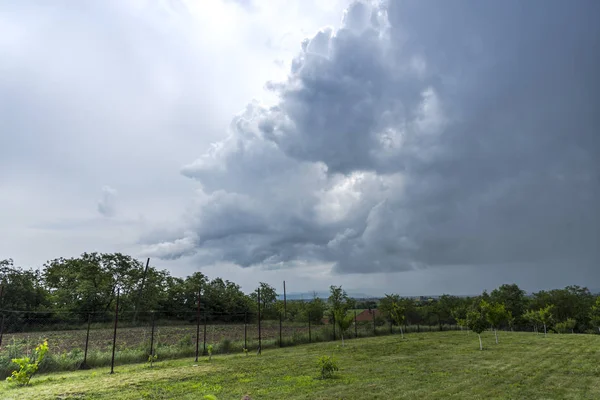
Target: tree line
(89, 285)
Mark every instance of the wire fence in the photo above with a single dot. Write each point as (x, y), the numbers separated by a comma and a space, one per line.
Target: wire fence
(92, 340)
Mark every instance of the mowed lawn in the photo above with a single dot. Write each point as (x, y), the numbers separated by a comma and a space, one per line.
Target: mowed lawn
(437, 365)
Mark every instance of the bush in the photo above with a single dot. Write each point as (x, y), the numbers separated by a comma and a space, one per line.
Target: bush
(327, 366)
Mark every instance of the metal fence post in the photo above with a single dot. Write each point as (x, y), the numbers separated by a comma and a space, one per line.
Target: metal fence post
(355, 326)
(280, 338)
(152, 336)
(309, 331)
(259, 333)
(87, 341)
(112, 361)
(246, 330)
(204, 341)
(198, 327)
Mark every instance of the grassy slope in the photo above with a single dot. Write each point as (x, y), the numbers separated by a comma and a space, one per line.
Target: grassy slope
(424, 366)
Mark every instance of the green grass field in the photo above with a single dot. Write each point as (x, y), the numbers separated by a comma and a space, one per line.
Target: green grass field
(437, 365)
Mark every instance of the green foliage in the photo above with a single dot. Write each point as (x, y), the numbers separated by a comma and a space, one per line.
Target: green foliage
(339, 305)
(268, 300)
(571, 302)
(152, 358)
(186, 341)
(477, 321)
(565, 326)
(209, 349)
(513, 298)
(338, 300)
(327, 366)
(495, 313)
(28, 366)
(343, 322)
(545, 315)
(460, 316)
(315, 310)
(532, 317)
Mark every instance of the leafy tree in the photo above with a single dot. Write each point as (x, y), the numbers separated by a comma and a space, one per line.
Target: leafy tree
(545, 317)
(513, 298)
(495, 314)
(444, 306)
(315, 310)
(339, 305)
(533, 317)
(477, 322)
(343, 320)
(22, 290)
(268, 298)
(565, 326)
(90, 283)
(460, 316)
(570, 302)
(393, 308)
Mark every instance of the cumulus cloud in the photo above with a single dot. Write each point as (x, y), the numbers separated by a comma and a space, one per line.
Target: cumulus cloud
(107, 203)
(415, 134)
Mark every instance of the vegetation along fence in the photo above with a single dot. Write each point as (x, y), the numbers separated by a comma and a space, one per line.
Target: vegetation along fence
(91, 340)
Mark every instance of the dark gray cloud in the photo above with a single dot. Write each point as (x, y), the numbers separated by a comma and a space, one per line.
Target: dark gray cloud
(417, 134)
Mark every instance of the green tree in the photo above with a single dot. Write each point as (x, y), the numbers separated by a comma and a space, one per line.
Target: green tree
(565, 326)
(460, 316)
(477, 322)
(315, 310)
(495, 314)
(394, 309)
(339, 305)
(570, 302)
(545, 317)
(513, 298)
(533, 317)
(268, 298)
(343, 320)
(90, 282)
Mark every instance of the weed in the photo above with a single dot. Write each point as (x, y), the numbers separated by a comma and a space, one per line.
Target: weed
(28, 366)
(327, 366)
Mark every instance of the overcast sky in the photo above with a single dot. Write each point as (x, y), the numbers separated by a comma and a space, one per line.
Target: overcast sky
(416, 147)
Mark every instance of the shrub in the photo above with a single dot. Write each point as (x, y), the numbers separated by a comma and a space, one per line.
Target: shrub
(565, 326)
(327, 366)
(28, 366)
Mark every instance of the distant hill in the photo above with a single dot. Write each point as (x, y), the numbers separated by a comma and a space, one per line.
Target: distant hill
(323, 295)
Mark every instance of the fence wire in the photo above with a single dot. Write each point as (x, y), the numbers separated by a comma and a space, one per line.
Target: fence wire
(87, 340)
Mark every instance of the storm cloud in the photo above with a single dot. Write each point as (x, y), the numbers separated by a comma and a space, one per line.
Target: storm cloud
(414, 134)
